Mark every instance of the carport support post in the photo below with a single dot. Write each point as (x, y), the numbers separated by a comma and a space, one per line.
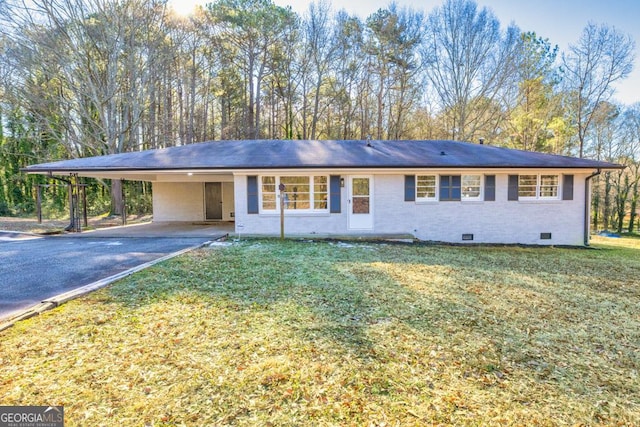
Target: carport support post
(124, 203)
(84, 204)
(39, 203)
(72, 211)
(75, 190)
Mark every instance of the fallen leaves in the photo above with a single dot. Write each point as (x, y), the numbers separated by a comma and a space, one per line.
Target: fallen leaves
(271, 333)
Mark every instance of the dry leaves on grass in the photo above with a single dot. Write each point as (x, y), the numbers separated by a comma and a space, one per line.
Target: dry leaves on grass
(271, 333)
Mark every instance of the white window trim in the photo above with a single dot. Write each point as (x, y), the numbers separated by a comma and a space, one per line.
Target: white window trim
(294, 211)
(260, 195)
(437, 189)
(538, 197)
(558, 187)
(480, 196)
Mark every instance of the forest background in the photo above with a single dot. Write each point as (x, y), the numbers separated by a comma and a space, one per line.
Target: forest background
(91, 77)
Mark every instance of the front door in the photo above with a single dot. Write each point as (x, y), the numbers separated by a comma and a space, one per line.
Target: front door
(213, 200)
(361, 202)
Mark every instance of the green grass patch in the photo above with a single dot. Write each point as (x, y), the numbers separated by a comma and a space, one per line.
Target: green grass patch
(275, 333)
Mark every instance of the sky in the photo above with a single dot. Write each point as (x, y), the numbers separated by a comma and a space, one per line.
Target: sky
(560, 21)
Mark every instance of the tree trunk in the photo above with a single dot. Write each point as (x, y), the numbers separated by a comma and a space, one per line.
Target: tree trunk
(117, 201)
(596, 202)
(634, 207)
(305, 112)
(192, 105)
(606, 214)
(621, 201)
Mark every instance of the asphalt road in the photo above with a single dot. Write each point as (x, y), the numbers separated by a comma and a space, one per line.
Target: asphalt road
(33, 269)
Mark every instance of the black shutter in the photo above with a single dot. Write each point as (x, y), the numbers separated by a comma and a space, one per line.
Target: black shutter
(513, 187)
(334, 194)
(490, 188)
(456, 187)
(567, 187)
(253, 203)
(409, 188)
(445, 186)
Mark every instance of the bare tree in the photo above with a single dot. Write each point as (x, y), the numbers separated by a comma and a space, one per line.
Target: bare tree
(471, 65)
(251, 28)
(394, 37)
(631, 138)
(282, 83)
(602, 56)
(320, 51)
(94, 58)
(345, 86)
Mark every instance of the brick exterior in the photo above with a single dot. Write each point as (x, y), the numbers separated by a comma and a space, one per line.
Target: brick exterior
(178, 201)
(184, 201)
(499, 221)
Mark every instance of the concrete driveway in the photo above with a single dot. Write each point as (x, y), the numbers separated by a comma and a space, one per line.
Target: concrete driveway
(34, 268)
(162, 229)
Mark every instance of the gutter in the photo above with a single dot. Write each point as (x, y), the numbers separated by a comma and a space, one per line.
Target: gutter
(587, 205)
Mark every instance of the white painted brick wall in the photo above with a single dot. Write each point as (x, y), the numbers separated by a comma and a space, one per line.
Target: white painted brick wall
(501, 221)
(300, 224)
(178, 201)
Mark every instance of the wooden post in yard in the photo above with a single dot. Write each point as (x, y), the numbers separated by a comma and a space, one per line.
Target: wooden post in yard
(282, 189)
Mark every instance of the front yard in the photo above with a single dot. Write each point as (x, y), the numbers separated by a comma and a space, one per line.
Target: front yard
(325, 333)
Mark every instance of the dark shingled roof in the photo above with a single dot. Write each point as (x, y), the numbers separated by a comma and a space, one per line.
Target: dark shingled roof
(284, 154)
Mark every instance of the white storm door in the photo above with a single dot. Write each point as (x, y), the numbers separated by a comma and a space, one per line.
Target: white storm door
(361, 202)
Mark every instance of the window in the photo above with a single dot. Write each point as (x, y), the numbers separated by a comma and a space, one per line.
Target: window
(471, 187)
(320, 192)
(268, 199)
(460, 187)
(549, 186)
(527, 185)
(538, 186)
(302, 193)
(446, 188)
(426, 187)
(297, 192)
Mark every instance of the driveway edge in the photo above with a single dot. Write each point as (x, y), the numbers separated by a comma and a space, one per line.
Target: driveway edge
(60, 299)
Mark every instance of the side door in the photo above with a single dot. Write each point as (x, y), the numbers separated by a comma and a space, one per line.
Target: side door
(361, 202)
(213, 200)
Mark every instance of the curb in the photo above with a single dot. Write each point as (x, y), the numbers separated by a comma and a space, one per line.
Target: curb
(60, 299)
(28, 235)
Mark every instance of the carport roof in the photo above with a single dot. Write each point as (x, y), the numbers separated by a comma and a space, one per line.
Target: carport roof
(331, 154)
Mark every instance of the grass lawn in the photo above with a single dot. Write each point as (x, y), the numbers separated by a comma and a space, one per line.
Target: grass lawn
(300, 333)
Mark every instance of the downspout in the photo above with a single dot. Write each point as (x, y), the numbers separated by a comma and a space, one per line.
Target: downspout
(587, 205)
